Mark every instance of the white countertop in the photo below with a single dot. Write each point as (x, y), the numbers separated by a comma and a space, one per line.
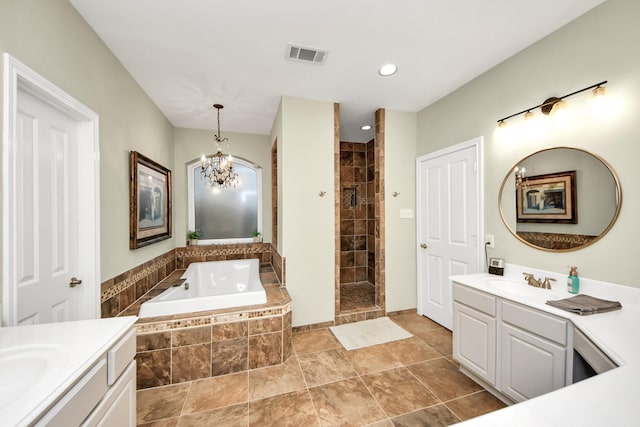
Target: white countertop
(608, 399)
(76, 345)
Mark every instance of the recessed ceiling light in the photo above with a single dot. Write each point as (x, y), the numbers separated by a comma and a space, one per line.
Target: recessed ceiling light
(387, 70)
(365, 127)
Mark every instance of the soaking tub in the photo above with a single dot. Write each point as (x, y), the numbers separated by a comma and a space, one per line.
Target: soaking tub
(210, 286)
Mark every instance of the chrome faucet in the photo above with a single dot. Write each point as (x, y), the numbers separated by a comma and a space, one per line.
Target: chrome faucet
(538, 283)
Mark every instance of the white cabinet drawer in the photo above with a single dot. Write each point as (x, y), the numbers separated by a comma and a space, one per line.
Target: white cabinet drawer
(476, 299)
(74, 407)
(542, 324)
(118, 407)
(120, 355)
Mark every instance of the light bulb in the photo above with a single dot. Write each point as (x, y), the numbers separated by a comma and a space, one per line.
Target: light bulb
(560, 113)
(599, 102)
(533, 127)
(504, 133)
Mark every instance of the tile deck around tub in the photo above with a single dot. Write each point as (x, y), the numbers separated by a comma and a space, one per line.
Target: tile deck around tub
(411, 382)
(196, 346)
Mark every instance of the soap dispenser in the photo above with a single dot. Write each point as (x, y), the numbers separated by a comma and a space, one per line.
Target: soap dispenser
(573, 281)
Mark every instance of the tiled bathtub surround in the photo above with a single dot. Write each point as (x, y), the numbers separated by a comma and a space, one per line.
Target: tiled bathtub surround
(186, 347)
(278, 263)
(120, 292)
(123, 294)
(187, 255)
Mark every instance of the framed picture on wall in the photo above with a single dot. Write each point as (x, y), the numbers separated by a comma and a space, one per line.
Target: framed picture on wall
(549, 198)
(149, 201)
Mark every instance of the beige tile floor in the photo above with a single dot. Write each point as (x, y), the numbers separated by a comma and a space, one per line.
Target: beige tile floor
(412, 382)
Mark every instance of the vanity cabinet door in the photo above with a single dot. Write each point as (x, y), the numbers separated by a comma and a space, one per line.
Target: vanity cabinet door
(530, 365)
(474, 341)
(118, 407)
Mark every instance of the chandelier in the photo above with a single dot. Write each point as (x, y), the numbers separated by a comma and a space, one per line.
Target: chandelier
(217, 170)
(521, 179)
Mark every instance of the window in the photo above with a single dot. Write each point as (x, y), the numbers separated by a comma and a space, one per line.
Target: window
(229, 215)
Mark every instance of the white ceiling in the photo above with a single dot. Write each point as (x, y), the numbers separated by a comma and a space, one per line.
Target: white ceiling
(190, 54)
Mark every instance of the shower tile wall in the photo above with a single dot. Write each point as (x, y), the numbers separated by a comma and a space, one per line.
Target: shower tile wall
(357, 222)
(371, 213)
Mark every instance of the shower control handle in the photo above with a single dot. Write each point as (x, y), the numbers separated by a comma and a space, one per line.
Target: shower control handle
(423, 245)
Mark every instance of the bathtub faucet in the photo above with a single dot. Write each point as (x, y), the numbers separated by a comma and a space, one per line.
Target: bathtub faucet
(180, 282)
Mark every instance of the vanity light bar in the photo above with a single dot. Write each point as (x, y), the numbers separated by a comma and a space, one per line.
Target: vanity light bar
(548, 104)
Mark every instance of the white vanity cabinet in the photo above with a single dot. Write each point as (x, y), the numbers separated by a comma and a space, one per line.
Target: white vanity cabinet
(518, 351)
(105, 395)
(533, 349)
(475, 331)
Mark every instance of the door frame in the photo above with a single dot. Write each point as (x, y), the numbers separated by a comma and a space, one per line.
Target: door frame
(478, 143)
(18, 77)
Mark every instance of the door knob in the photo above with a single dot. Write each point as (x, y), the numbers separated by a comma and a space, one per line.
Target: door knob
(74, 282)
(423, 245)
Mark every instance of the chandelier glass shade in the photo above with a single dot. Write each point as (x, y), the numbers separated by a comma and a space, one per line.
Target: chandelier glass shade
(217, 170)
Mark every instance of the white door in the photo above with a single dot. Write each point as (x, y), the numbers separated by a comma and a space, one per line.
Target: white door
(50, 209)
(449, 223)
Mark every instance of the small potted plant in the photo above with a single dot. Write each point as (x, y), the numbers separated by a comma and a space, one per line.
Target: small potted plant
(256, 236)
(193, 236)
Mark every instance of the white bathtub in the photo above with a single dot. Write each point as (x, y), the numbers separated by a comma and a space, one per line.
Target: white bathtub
(211, 286)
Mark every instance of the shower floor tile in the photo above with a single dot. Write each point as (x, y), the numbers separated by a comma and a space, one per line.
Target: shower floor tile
(404, 383)
(357, 296)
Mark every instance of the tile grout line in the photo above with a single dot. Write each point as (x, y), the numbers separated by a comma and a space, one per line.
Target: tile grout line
(186, 398)
(374, 397)
(306, 384)
(461, 397)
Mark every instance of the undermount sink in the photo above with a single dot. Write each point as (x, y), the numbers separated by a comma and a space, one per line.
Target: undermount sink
(505, 282)
(513, 286)
(24, 368)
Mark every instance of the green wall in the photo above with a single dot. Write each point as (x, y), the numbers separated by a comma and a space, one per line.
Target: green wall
(50, 37)
(600, 45)
(305, 168)
(190, 144)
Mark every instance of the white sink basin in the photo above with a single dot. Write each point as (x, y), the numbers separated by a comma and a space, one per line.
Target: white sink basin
(24, 368)
(515, 287)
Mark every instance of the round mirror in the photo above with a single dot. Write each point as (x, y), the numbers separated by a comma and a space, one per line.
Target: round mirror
(560, 199)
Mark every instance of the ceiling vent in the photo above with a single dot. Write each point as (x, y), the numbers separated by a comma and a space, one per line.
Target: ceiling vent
(306, 54)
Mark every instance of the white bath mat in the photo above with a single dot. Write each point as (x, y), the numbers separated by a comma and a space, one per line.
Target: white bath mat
(368, 332)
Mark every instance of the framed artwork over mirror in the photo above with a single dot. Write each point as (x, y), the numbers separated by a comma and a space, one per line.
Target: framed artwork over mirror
(149, 201)
(549, 198)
